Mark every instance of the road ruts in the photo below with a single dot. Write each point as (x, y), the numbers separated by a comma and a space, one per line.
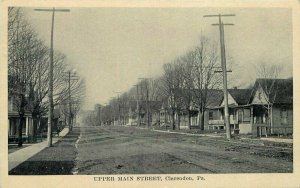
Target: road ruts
(127, 150)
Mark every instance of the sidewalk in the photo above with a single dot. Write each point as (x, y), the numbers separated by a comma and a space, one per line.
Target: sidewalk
(189, 134)
(212, 135)
(280, 140)
(17, 157)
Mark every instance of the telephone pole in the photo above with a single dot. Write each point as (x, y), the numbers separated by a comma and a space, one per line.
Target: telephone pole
(99, 114)
(70, 77)
(70, 107)
(50, 93)
(224, 70)
(119, 107)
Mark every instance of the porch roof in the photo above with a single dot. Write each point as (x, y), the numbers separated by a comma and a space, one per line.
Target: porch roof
(16, 114)
(231, 106)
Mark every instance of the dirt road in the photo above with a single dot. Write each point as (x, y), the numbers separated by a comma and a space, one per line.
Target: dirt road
(128, 150)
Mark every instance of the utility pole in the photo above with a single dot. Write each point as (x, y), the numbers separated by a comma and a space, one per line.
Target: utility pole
(50, 93)
(119, 110)
(119, 107)
(147, 104)
(224, 70)
(70, 77)
(70, 107)
(99, 114)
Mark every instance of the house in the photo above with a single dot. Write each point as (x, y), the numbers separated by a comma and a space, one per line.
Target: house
(132, 114)
(164, 115)
(213, 115)
(57, 123)
(239, 111)
(272, 106)
(154, 109)
(267, 108)
(14, 119)
(186, 110)
(138, 113)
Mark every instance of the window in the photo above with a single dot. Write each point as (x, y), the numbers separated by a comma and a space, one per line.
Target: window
(234, 116)
(237, 126)
(246, 115)
(240, 115)
(284, 115)
(211, 115)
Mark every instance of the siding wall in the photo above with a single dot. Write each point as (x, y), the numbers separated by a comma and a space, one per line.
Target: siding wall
(279, 122)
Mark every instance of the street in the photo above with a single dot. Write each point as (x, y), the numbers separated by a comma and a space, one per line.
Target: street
(180, 93)
(130, 150)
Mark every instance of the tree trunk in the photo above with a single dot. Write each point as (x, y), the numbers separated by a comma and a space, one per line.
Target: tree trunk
(190, 121)
(271, 119)
(178, 121)
(20, 139)
(35, 122)
(173, 120)
(202, 120)
(21, 115)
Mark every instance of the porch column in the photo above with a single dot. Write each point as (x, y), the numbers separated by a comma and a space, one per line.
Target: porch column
(271, 119)
(198, 118)
(254, 129)
(27, 122)
(31, 126)
(251, 116)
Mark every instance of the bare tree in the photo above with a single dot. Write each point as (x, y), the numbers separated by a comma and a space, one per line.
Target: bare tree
(204, 59)
(170, 85)
(185, 94)
(267, 75)
(28, 59)
(24, 52)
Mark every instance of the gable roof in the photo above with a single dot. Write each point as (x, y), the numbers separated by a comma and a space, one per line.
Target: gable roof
(241, 96)
(280, 90)
(214, 97)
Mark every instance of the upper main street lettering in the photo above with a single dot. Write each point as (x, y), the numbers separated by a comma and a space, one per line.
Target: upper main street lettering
(130, 178)
(148, 178)
(111, 178)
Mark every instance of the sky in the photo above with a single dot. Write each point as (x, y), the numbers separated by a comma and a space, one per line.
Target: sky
(112, 47)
